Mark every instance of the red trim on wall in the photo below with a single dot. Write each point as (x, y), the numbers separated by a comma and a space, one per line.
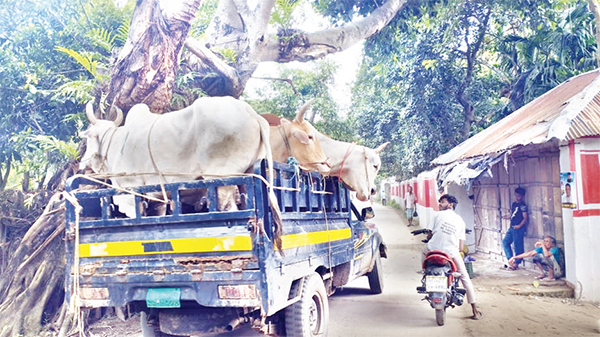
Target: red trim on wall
(586, 212)
(423, 199)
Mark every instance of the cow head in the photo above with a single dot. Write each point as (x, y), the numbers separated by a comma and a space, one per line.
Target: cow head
(303, 142)
(359, 169)
(95, 135)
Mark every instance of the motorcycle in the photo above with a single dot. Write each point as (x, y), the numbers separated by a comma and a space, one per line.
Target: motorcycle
(440, 282)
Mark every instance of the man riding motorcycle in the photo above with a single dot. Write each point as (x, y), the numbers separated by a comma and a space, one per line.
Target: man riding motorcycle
(447, 233)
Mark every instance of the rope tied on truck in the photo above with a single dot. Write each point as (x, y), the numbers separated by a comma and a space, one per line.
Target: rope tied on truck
(75, 298)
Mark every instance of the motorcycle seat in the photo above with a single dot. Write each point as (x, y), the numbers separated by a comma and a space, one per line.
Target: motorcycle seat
(438, 258)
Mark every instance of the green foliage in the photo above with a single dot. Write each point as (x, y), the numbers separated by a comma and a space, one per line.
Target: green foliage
(229, 55)
(285, 99)
(52, 53)
(78, 91)
(340, 11)
(103, 38)
(406, 91)
(282, 13)
(84, 59)
(205, 13)
(42, 156)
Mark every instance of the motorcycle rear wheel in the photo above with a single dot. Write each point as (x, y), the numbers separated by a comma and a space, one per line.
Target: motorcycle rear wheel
(440, 316)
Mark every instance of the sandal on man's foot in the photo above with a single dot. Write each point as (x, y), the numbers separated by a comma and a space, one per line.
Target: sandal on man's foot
(516, 267)
(477, 316)
(541, 277)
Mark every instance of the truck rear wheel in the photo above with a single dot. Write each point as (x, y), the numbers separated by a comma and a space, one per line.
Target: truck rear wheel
(309, 316)
(376, 276)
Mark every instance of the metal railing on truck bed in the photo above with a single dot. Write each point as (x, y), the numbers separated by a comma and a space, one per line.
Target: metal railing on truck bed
(213, 258)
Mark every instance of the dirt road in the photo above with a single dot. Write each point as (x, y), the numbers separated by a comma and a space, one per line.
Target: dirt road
(399, 311)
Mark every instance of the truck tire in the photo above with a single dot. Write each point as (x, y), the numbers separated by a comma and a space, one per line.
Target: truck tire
(309, 317)
(376, 276)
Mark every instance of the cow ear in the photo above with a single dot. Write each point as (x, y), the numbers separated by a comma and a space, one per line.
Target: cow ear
(381, 147)
(84, 134)
(300, 135)
(284, 121)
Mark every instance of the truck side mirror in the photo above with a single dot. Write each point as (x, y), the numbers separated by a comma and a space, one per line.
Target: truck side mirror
(367, 213)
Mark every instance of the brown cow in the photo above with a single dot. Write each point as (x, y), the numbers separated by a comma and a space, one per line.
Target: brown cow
(297, 139)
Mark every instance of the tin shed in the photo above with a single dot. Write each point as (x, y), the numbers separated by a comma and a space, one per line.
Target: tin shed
(552, 142)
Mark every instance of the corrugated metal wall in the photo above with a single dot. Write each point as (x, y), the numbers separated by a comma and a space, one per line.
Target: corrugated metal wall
(536, 168)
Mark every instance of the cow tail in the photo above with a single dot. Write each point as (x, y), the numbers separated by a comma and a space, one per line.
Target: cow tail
(276, 211)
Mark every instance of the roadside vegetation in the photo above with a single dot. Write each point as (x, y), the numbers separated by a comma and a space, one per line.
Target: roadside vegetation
(438, 73)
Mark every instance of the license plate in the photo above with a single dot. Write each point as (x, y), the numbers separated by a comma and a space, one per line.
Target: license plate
(163, 298)
(436, 283)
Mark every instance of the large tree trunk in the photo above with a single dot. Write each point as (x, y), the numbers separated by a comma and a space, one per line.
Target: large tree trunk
(31, 285)
(146, 66)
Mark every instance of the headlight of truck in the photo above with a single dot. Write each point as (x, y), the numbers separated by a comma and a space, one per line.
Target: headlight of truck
(237, 292)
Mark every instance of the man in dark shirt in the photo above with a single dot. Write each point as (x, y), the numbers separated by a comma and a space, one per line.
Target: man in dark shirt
(518, 226)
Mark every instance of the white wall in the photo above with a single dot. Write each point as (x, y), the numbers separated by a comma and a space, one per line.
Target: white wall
(465, 210)
(581, 227)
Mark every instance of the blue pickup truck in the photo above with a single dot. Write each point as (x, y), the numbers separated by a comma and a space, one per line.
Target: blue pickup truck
(195, 270)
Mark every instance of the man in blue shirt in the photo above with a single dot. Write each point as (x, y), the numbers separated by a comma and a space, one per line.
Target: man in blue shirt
(516, 232)
(546, 256)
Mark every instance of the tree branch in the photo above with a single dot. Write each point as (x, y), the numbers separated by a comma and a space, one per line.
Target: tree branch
(319, 44)
(291, 83)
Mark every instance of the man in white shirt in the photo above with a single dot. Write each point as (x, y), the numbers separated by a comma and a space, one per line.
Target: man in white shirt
(448, 235)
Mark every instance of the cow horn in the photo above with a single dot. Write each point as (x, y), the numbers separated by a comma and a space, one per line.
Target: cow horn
(381, 147)
(300, 116)
(119, 118)
(89, 111)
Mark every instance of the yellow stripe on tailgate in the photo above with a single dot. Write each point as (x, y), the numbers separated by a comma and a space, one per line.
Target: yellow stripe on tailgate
(172, 246)
(313, 238)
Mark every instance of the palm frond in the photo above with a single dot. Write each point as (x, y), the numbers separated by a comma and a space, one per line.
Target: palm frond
(77, 90)
(84, 59)
(123, 32)
(102, 38)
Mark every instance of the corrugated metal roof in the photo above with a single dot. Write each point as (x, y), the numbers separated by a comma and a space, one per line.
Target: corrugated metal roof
(568, 111)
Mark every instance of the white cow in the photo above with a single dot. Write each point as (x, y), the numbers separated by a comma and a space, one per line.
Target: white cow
(215, 136)
(356, 165)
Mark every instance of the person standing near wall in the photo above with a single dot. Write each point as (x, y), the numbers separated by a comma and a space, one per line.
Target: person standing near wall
(516, 232)
(410, 202)
(383, 198)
